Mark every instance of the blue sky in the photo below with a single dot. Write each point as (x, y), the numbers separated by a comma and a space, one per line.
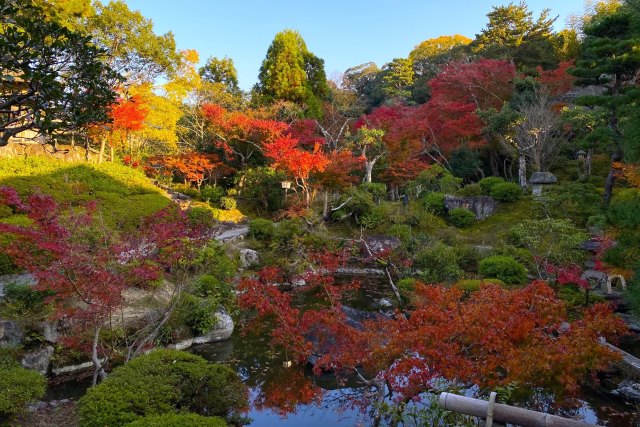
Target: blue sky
(344, 33)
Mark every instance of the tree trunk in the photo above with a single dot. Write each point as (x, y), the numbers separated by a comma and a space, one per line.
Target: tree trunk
(86, 149)
(111, 154)
(368, 171)
(608, 185)
(522, 170)
(493, 163)
(103, 144)
(588, 162)
(325, 208)
(98, 369)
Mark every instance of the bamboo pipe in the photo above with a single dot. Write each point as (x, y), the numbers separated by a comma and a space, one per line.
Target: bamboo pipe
(505, 413)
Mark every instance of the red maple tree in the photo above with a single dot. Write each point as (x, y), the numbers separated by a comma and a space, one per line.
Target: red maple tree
(194, 168)
(87, 269)
(287, 153)
(557, 81)
(443, 337)
(241, 134)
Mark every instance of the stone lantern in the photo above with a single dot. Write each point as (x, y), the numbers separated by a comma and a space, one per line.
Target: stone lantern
(541, 179)
(286, 185)
(581, 154)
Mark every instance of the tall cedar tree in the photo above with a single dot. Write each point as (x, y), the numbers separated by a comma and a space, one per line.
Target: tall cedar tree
(610, 57)
(290, 72)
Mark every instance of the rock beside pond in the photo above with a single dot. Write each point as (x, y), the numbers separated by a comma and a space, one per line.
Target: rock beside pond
(481, 206)
(383, 303)
(39, 359)
(628, 390)
(50, 331)
(249, 258)
(221, 331)
(10, 333)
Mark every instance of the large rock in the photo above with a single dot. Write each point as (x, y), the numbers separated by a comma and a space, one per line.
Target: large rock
(222, 331)
(10, 333)
(481, 206)
(628, 390)
(249, 258)
(39, 359)
(380, 243)
(50, 331)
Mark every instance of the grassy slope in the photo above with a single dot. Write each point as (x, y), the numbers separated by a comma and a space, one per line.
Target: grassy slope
(125, 195)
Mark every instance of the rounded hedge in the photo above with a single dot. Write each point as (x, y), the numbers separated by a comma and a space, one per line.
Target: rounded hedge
(182, 420)
(434, 202)
(211, 193)
(486, 184)
(18, 387)
(506, 192)
(262, 229)
(504, 268)
(201, 214)
(470, 190)
(472, 285)
(461, 217)
(160, 383)
(228, 203)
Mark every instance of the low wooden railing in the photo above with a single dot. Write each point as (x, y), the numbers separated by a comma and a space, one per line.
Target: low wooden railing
(506, 414)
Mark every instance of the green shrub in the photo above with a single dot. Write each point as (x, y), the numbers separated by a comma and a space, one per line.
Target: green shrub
(377, 190)
(227, 203)
(472, 285)
(211, 193)
(198, 313)
(598, 221)
(555, 241)
(357, 203)
(468, 257)
(287, 231)
(504, 268)
(23, 301)
(625, 209)
(434, 202)
(162, 382)
(212, 288)
(216, 261)
(572, 200)
(486, 184)
(185, 189)
(262, 229)
(470, 190)
(465, 163)
(372, 219)
(5, 211)
(201, 214)
(182, 420)
(401, 231)
(438, 263)
(262, 184)
(461, 217)
(407, 287)
(506, 191)
(18, 387)
(436, 178)
(7, 266)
